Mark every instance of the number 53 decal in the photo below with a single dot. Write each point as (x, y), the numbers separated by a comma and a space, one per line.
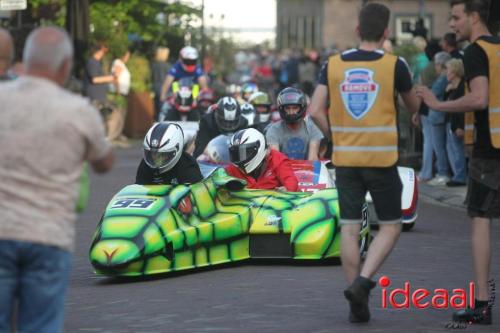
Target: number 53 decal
(132, 203)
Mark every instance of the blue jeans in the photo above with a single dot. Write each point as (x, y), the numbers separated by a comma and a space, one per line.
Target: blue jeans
(36, 276)
(427, 154)
(456, 155)
(439, 146)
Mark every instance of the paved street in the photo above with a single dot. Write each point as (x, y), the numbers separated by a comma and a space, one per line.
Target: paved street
(263, 296)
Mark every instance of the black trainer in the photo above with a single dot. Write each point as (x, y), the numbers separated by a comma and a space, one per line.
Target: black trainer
(358, 295)
(480, 315)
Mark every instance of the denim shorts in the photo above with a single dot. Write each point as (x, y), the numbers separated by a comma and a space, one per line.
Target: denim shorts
(483, 190)
(36, 276)
(385, 188)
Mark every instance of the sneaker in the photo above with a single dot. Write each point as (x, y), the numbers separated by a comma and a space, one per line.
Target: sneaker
(480, 316)
(438, 181)
(358, 295)
(422, 180)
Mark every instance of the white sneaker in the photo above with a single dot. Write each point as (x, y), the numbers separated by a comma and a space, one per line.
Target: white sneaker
(439, 181)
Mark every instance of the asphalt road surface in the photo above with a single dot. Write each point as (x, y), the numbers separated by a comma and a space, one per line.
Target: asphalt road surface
(268, 296)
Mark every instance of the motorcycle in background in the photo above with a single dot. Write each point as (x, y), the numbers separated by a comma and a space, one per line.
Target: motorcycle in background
(181, 106)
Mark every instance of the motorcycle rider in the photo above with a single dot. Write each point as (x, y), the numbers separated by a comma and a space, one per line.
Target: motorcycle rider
(181, 107)
(247, 89)
(248, 112)
(296, 136)
(262, 104)
(234, 90)
(165, 162)
(225, 118)
(205, 99)
(185, 67)
(260, 166)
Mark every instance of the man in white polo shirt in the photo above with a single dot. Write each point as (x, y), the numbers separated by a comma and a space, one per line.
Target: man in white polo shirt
(46, 134)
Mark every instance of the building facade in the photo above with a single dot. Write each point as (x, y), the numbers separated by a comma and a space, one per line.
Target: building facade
(331, 23)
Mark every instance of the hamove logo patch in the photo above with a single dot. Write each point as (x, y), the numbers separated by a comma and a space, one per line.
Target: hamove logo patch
(358, 91)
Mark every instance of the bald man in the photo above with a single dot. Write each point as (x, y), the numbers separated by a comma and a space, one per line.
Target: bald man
(46, 134)
(6, 54)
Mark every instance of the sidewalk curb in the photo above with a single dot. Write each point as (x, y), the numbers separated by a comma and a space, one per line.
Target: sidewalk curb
(448, 196)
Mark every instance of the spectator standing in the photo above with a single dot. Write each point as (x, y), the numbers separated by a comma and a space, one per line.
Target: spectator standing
(427, 78)
(46, 134)
(449, 44)
(482, 74)
(159, 71)
(420, 29)
(420, 60)
(455, 123)
(96, 83)
(437, 121)
(6, 54)
(365, 146)
(121, 88)
(307, 74)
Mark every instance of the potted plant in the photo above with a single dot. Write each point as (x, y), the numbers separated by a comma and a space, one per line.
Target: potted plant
(140, 112)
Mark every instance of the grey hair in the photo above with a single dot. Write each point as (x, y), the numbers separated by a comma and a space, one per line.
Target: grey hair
(47, 48)
(441, 58)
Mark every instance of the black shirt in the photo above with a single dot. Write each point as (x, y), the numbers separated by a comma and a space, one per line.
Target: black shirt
(456, 119)
(402, 76)
(476, 64)
(456, 54)
(186, 171)
(262, 127)
(208, 130)
(93, 68)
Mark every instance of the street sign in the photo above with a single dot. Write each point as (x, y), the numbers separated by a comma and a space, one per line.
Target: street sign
(13, 4)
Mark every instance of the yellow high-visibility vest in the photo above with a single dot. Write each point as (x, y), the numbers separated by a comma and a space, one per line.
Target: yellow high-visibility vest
(363, 112)
(195, 89)
(493, 53)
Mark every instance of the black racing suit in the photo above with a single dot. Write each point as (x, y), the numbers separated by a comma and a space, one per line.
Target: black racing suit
(208, 130)
(186, 171)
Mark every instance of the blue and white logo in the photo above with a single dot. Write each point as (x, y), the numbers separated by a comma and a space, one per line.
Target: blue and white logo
(358, 91)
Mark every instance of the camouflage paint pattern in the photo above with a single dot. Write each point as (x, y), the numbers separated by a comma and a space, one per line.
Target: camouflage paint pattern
(161, 228)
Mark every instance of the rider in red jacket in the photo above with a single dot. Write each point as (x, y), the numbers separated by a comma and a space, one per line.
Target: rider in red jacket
(262, 168)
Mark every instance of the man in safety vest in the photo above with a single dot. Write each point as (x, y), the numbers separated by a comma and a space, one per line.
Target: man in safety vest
(360, 85)
(482, 129)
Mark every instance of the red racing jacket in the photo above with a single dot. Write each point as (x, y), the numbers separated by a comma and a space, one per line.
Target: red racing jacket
(278, 173)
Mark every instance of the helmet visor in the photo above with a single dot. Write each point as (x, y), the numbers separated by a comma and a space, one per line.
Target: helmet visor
(157, 160)
(189, 62)
(243, 154)
(227, 125)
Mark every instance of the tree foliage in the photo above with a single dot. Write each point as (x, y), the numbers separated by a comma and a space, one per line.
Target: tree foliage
(149, 21)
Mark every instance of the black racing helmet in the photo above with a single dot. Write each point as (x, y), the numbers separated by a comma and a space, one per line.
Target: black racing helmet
(292, 96)
(227, 114)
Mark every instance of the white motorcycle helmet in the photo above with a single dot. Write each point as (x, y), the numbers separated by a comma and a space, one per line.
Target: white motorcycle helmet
(189, 57)
(163, 146)
(248, 149)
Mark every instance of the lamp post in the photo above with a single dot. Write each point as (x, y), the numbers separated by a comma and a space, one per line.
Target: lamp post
(421, 8)
(203, 37)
